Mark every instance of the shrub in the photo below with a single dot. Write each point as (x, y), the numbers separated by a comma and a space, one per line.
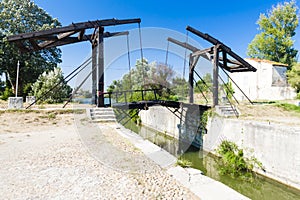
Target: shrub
(8, 92)
(233, 161)
(47, 81)
(182, 162)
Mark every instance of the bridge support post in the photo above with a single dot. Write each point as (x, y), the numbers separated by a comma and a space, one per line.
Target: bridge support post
(94, 74)
(100, 66)
(216, 76)
(191, 80)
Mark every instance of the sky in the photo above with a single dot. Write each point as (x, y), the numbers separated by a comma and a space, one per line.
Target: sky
(232, 22)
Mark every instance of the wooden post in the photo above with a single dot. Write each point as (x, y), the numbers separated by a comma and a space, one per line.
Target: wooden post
(191, 80)
(216, 76)
(109, 99)
(94, 74)
(100, 101)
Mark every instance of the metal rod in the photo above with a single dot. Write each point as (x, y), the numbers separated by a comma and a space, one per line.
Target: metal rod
(47, 92)
(228, 91)
(129, 63)
(202, 80)
(201, 91)
(167, 54)
(17, 79)
(74, 92)
(237, 86)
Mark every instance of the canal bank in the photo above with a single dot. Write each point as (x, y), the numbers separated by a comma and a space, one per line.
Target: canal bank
(275, 143)
(203, 186)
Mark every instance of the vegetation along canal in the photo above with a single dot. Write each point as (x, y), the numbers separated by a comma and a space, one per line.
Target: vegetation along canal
(254, 187)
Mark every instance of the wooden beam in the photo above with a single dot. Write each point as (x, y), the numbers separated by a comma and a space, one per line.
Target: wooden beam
(191, 79)
(34, 44)
(225, 48)
(81, 34)
(203, 52)
(72, 27)
(66, 34)
(54, 41)
(68, 40)
(225, 58)
(231, 61)
(183, 44)
(239, 59)
(21, 46)
(216, 76)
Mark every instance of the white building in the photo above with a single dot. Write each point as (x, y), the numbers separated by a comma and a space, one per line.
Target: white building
(269, 82)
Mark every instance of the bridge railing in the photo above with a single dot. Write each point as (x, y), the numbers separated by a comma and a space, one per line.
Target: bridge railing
(131, 96)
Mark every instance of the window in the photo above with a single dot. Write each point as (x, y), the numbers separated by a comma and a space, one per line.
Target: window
(279, 76)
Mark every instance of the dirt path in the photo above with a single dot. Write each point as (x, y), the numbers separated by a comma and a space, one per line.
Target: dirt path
(46, 159)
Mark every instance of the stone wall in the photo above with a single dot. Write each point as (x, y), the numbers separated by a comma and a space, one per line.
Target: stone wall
(182, 123)
(276, 146)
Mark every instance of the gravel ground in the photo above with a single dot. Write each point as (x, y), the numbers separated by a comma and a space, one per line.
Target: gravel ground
(56, 164)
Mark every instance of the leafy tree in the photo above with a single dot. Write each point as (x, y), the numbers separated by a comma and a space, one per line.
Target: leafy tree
(147, 75)
(180, 88)
(204, 87)
(22, 16)
(294, 78)
(46, 82)
(277, 27)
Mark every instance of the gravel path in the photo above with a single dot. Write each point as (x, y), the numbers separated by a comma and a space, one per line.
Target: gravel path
(55, 164)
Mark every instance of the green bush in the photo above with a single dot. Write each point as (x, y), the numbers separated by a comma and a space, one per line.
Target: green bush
(182, 162)
(233, 161)
(8, 92)
(43, 87)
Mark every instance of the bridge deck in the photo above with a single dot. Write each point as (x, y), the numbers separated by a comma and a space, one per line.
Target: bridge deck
(145, 104)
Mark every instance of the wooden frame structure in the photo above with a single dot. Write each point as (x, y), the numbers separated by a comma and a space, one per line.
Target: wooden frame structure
(35, 41)
(236, 64)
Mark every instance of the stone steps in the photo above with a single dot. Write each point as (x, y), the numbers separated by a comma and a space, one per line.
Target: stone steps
(227, 111)
(101, 114)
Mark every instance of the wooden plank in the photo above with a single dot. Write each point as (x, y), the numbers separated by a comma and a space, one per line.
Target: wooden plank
(109, 34)
(183, 44)
(72, 27)
(47, 43)
(66, 34)
(203, 52)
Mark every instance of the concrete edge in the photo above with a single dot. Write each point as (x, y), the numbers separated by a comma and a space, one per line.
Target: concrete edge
(202, 186)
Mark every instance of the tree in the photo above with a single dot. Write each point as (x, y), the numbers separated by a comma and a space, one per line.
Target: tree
(294, 78)
(21, 16)
(180, 88)
(277, 27)
(147, 75)
(46, 82)
(205, 86)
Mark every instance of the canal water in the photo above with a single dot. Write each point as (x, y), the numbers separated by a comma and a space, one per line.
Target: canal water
(256, 188)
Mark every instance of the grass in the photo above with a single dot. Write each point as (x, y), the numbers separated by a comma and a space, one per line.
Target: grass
(289, 107)
(182, 162)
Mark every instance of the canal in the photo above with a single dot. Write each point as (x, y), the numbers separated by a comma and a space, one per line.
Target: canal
(257, 187)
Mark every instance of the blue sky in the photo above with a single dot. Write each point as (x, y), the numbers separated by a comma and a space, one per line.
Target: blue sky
(232, 22)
